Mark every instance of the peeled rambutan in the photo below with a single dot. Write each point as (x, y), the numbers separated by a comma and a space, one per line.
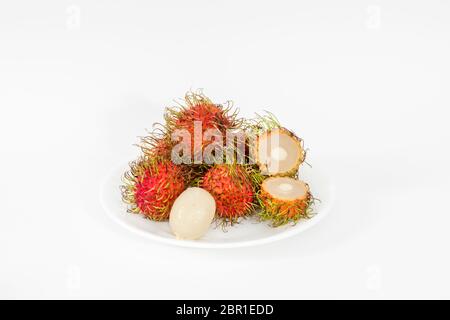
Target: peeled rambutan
(151, 187)
(232, 189)
(283, 200)
(197, 116)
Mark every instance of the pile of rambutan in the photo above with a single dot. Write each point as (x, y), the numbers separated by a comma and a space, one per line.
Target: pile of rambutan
(256, 175)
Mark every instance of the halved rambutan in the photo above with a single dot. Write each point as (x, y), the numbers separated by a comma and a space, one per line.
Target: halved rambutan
(276, 150)
(284, 199)
(231, 186)
(151, 187)
(279, 152)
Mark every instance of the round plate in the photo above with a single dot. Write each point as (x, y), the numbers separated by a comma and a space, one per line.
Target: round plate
(248, 232)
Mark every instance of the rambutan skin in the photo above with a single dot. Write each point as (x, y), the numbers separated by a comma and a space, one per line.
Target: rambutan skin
(152, 188)
(232, 190)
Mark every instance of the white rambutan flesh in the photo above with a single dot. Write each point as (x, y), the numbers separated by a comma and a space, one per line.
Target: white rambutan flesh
(285, 188)
(192, 214)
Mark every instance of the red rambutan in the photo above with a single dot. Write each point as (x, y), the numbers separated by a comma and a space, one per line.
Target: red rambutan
(232, 189)
(200, 110)
(152, 187)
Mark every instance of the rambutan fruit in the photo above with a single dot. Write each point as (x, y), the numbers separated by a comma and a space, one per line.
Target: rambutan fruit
(284, 199)
(276, 150)
(199, 115)
(232, 189)
(151, 187)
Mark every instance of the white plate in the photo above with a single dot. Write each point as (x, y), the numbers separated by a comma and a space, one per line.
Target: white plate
(249, 232)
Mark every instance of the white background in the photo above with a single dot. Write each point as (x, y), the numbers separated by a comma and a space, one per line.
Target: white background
(365, 83)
